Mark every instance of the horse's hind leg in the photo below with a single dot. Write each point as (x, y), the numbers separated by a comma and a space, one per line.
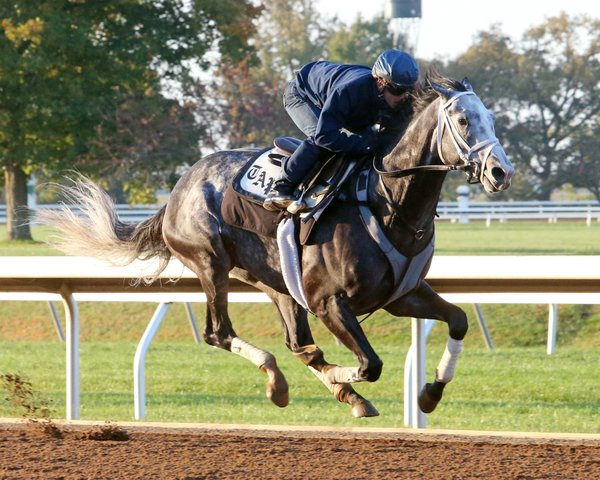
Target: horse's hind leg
(212, 266)
(219, 332)
(277, 387)
(425, 303)
(299, 340)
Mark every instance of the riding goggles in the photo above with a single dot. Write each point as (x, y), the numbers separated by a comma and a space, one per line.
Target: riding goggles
(398, 90)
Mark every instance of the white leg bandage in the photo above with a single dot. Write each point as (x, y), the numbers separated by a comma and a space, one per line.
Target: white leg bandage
(342, 374)
(445, 369)
(323, 378)
(244, 349)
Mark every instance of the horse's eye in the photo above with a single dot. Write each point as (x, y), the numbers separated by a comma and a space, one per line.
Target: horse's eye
(463, 122)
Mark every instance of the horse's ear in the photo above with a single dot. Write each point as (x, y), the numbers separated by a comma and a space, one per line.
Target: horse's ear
(444, 92)
(467, 84)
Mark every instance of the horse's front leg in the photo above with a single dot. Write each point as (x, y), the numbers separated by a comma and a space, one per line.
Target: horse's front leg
(344, 325)
(299, 339)
(425, 303)
(313, 358)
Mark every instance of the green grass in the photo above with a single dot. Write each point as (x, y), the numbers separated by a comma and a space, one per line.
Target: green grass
(506, 389)
(509, 238)
(37, 246)
(515, 387)
(518, 238)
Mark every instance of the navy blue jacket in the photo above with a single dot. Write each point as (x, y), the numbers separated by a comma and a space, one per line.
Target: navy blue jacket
(348, 98)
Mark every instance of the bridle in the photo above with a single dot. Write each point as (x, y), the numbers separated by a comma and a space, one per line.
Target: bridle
(473, 168)
(465, 152)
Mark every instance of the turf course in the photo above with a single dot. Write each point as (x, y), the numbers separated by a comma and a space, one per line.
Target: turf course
(515, 387)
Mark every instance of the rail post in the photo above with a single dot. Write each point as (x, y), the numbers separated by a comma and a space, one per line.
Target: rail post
(463, 203)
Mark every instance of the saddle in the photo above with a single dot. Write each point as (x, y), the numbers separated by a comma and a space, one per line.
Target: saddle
(243, 199)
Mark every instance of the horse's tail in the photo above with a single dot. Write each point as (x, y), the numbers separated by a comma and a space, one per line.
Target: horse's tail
(97, 231)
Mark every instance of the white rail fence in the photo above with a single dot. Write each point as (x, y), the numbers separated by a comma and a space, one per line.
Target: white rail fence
(461, 211)
(552, 212)
(529, 279)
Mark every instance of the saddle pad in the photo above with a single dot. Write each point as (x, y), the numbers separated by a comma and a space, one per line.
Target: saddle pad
(243, 199)
(254, 179)
(238, 212)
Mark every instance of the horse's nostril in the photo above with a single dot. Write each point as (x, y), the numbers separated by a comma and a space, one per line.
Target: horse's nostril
(498, 174)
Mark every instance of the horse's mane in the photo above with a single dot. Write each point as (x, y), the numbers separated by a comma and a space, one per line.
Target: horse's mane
(425, 94)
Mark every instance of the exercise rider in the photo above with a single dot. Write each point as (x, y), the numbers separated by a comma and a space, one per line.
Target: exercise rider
(337, 106)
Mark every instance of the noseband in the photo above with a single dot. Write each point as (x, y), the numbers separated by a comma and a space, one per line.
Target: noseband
(473, 168)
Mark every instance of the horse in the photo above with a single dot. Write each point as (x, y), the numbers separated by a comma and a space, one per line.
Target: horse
(364, 255)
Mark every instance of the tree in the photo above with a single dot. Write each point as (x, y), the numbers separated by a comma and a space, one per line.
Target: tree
(585, 163)
(361, 42)
(291, 34)
(545, 95)
(141, 145)
(66, 65)
(250, 112)
(246, 96)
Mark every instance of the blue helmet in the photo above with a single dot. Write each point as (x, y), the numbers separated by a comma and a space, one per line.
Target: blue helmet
(396, 68)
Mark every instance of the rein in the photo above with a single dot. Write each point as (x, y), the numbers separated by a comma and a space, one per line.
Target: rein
(473, 168)
(405, 172)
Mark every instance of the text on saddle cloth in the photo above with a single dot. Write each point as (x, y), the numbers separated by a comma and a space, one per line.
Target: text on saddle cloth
(255, 179)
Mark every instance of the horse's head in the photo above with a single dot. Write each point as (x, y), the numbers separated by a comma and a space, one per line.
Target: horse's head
(466, 138)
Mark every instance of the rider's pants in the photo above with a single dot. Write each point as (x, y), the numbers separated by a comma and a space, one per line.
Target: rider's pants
(306, 116)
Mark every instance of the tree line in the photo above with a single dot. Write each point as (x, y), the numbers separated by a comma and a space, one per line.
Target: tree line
(130, 93)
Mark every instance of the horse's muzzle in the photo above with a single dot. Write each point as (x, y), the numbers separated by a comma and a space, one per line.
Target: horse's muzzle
(497, 173)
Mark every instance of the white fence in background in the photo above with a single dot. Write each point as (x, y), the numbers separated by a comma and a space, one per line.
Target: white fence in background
(459, 212)
(588, 211)
(490, 279)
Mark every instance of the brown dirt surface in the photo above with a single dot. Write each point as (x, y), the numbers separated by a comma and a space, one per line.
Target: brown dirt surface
(135, 451)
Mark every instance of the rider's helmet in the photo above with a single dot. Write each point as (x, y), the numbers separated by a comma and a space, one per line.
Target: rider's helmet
(397, 69)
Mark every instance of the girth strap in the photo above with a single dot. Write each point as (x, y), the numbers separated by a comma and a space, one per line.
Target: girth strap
(397, 261)
(408, 272)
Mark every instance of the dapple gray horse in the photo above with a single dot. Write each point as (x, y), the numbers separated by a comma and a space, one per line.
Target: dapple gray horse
(347, 269)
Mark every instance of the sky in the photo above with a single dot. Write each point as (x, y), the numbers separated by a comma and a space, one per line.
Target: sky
(448, 27)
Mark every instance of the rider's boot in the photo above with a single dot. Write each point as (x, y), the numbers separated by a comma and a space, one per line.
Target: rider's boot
(281, 196)
(295, 168)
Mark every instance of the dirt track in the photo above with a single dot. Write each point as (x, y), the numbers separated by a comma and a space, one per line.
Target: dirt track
(90, 452)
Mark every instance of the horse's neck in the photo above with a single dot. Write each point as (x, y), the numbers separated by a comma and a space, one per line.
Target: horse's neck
(415, 197)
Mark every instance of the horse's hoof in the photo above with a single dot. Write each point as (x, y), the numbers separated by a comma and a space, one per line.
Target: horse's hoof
(430, 396)
(364, 408)
(277, 387)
